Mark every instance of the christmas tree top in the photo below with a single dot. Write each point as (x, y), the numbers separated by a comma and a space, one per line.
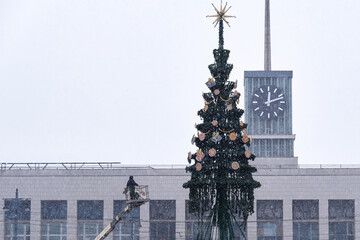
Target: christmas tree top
(220, 18)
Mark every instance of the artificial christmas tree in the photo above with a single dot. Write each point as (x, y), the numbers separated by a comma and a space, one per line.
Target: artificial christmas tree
(221, 185)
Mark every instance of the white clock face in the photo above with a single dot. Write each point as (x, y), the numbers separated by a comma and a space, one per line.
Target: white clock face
(268, 102)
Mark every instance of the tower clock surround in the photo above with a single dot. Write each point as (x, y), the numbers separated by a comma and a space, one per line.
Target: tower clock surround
(266, 92)
(256, 82)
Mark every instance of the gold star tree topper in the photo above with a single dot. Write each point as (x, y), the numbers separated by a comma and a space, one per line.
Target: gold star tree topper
(221, 14)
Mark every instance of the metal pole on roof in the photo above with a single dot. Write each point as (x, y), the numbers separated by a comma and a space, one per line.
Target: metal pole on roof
(16, 215)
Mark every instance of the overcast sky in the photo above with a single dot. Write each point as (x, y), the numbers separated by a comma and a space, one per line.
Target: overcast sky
(121, 80)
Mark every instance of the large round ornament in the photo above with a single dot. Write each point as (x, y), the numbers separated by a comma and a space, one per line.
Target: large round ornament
(247, 153)
(217, 92)
(232, 136)
(229, 107)
(214, 123)
(198, 167)
(241, 123)
(202, 136)
(235, 165)
(212, 152)
(206, 108)
(199, 155)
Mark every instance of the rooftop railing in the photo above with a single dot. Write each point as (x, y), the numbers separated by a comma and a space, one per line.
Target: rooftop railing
(118, 165)
(64, 165)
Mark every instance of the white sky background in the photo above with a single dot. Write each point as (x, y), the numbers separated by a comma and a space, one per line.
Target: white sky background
(121, 80)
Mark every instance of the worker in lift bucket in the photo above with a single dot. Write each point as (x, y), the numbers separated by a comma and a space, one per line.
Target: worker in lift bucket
(131, 187)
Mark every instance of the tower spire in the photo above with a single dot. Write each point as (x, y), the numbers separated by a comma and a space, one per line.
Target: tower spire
(267, 49)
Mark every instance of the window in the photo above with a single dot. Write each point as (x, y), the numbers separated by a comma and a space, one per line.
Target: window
(305, 219)
(90, 218)
(192, 225)
(288, 148)
(128, 228)
(162, 219)
(262, 147)
(17, 219)
(282, 148)
(269, 219)
(275, 149)
(268, 148)
(341, 219)
(53, 220)
(255, 147)
(239, 231)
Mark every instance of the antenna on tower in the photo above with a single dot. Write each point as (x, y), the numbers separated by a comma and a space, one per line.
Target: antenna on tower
(267, 49)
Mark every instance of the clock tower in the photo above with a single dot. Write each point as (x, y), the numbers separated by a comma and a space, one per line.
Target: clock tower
(268, 109)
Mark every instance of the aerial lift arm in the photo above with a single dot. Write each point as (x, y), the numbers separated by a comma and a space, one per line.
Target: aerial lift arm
(111, 226)
(143, 194)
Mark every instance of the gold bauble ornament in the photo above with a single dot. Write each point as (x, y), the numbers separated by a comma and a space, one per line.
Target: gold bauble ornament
(198, 167)
(232, 136)
(247, 153)
(212, 152)
(235, 165)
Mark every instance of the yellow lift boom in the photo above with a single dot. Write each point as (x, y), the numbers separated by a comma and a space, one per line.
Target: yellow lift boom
(142, 194)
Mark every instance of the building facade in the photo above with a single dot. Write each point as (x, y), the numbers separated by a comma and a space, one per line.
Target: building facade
(78, 201)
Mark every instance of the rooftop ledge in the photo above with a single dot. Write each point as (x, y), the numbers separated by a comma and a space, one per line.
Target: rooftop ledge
(292, 136)
(118, 165)
(262, 74)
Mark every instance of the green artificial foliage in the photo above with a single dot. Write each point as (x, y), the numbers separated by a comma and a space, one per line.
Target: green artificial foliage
(221, 186)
